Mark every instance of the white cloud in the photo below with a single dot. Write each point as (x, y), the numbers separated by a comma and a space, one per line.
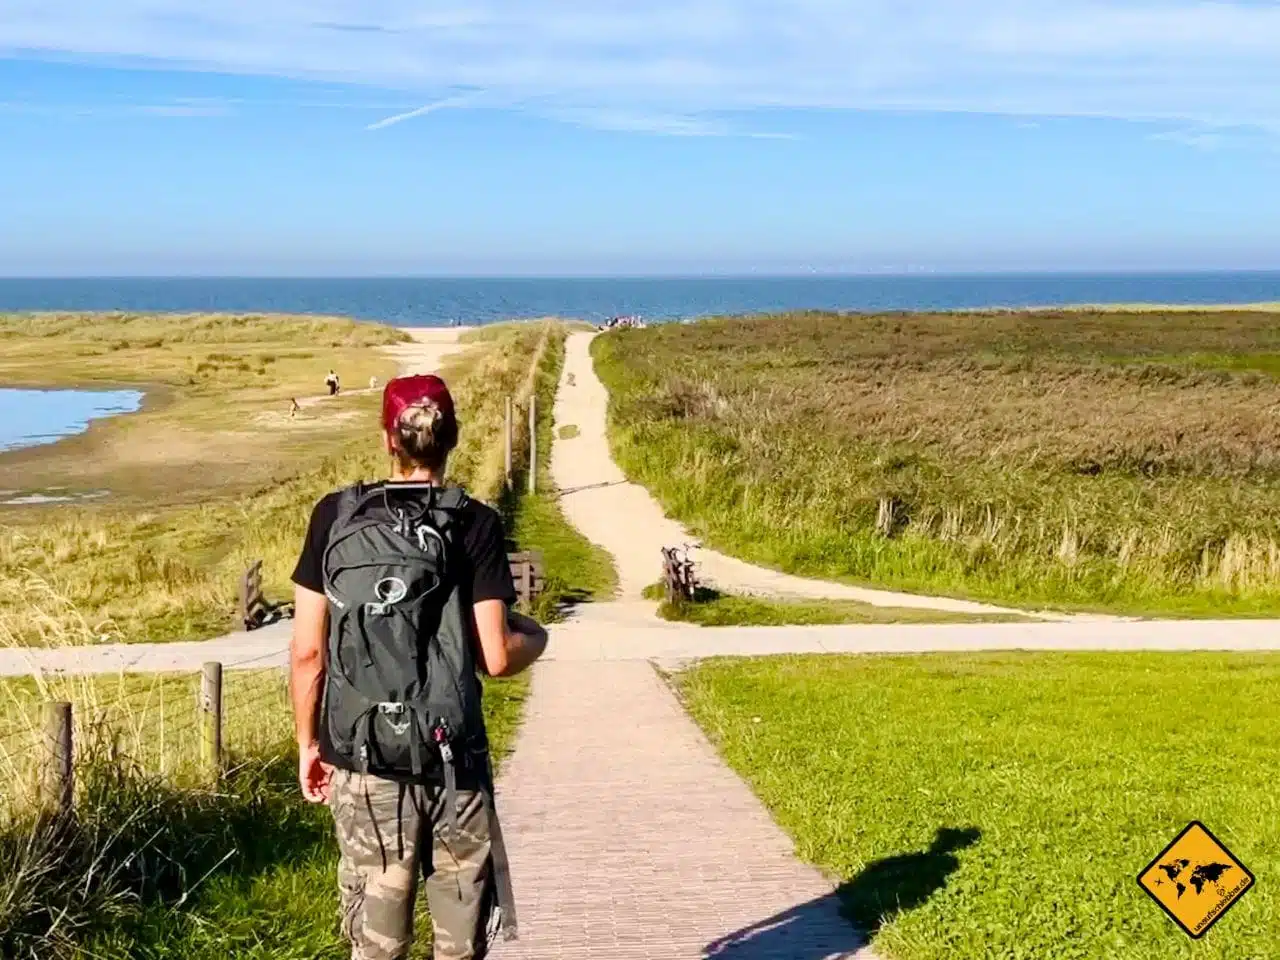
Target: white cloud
(679, 64)
(418, 112)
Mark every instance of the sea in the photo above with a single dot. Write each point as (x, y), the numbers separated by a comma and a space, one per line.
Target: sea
(428, 302)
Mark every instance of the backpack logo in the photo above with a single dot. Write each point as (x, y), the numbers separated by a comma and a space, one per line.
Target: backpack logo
(389, 591)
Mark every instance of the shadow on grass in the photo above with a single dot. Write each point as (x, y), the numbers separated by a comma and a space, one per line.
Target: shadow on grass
(842, 923)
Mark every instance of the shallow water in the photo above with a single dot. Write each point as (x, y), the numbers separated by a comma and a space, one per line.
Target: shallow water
(29, 418)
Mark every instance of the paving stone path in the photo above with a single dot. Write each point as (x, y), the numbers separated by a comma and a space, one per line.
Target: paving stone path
(629, 838)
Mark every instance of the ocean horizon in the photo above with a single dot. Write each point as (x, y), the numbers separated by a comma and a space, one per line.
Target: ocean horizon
(441, 301)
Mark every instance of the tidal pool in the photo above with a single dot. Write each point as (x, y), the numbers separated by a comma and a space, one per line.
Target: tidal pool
(29, 418)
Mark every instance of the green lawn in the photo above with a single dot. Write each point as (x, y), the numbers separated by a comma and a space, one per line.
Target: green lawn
(712, 609)
(1001, 806)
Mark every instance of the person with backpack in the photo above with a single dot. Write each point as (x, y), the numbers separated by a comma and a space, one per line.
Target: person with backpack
(403, 595)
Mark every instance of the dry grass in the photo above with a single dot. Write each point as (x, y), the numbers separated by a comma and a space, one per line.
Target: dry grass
(211, 382)
(1107, 459)
(171, 573)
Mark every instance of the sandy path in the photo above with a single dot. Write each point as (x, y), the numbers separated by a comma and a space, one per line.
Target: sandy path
(624, 519)
(430, 347)
(620, 638)
(425, 354)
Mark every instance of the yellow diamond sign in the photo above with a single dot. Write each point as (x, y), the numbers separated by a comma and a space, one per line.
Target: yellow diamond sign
(1195, 880)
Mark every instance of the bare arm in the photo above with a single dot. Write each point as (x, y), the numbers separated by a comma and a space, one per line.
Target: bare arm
(509, 641)
(306, 677)
(306, 660)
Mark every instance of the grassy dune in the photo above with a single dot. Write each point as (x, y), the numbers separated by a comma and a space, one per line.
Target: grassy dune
(169, 572)
(1124, 461)
(215, 421)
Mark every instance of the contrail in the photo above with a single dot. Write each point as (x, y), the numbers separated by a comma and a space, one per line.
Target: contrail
(420, 111)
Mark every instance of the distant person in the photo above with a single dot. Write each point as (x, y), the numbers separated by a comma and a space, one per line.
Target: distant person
(387, 701)
(293, 407)
(373, 383)
(331, 381)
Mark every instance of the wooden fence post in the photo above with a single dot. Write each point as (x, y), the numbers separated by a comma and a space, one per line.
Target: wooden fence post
(58, 784)
(510, 428)
(211, 718)
(533, 443)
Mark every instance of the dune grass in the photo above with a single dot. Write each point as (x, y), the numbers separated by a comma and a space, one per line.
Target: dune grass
(170, 573)
(159, 863)
(1069, 459)
(1002, 805)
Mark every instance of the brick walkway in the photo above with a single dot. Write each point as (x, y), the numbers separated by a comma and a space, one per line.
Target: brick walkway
(629, 838)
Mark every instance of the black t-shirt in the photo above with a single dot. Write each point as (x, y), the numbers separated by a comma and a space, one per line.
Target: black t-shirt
(485, 572)
(486, 575)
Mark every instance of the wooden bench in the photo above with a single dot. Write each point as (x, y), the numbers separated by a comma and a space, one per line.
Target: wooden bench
(526, 571)
(251, 610)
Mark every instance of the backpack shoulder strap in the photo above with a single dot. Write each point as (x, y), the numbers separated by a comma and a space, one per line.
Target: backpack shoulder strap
(446, 504)
(348, 499)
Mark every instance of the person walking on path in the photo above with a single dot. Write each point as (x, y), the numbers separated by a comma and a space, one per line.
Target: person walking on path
(403, 593)
(331, 381)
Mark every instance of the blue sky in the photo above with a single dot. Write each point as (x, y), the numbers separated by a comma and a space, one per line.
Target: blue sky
(358, 137)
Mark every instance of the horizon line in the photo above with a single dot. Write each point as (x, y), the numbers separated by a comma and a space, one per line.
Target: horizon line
(660, 275)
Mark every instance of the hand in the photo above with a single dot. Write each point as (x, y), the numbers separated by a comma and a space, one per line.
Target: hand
(314, 775)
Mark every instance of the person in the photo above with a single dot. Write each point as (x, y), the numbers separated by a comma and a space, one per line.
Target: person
(293, 407)
(391, 825)
(331, 381)
(373, 383)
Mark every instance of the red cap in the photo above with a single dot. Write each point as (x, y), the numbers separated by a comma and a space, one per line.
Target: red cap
(403, 392)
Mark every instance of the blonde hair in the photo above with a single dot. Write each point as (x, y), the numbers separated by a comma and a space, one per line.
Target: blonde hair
(424, 436)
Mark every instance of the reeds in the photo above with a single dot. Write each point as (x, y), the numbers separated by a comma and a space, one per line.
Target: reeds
(1102, 460)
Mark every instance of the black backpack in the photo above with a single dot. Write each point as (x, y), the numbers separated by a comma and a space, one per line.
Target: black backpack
(402, 698)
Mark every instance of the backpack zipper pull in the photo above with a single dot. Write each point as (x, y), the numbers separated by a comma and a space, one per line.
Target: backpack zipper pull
(450, 779)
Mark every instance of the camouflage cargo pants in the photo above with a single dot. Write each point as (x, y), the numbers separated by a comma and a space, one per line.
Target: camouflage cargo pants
(388, 833)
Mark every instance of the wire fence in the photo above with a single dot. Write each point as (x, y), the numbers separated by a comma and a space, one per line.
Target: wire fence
(186, 726)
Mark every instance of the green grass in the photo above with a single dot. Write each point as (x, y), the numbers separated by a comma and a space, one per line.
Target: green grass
(1053, 779)
(713, 609)
(576, 570)
(1054, 459)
